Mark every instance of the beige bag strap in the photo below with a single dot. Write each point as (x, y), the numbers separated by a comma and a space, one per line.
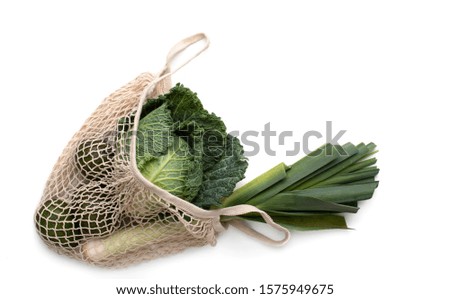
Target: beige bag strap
(177, 49)
(180, 203)
(245, 228)
(183, 45)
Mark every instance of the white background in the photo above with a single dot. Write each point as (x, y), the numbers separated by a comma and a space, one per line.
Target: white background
(378, 69)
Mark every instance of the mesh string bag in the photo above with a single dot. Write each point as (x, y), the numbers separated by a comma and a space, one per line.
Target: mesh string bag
(95, 194)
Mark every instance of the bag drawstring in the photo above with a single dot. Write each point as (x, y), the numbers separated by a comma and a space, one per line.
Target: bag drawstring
(195, 211)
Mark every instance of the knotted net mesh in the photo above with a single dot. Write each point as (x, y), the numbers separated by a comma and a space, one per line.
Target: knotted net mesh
(93, 203)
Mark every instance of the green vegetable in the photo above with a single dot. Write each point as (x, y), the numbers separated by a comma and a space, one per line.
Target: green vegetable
(331, 179)
(300, 170)
(205, 132)
(56, 224)
(256, 186)
(184, 149)
(153, 135)
(94, 158)
(93, 210)
(171, 170)
(223, 176)
(129, 239)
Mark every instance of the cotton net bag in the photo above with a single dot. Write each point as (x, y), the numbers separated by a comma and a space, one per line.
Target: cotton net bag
(95, 194)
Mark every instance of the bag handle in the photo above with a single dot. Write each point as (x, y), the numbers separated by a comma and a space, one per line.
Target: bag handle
(245, 228)
(183, 45)
(214, 215)
(177, 49)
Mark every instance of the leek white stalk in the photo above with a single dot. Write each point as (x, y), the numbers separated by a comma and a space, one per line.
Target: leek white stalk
(130, 239)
